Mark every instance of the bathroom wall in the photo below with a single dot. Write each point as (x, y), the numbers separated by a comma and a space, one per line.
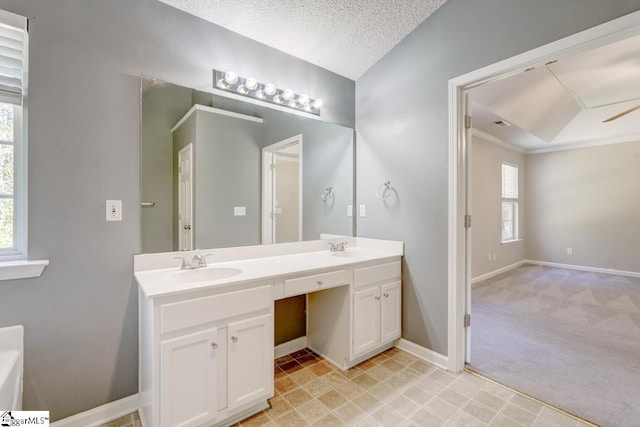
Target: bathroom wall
(86, 58)
(487, 252)
(402, 130)
(587, 200)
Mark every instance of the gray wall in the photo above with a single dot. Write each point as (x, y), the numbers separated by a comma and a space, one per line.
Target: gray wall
(486, 207)
(228, 153)
(86, 58)
(588, 200)
(402, 126)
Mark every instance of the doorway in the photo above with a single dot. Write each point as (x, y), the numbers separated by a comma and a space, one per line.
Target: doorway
(282, 191)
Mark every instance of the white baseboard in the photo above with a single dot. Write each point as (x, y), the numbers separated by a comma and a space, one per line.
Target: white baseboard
(289, 347)
(496, 272)
(423, 353)
(102, 414)
(584, 268)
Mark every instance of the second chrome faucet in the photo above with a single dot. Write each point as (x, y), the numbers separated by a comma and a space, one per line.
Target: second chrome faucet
(337, 247)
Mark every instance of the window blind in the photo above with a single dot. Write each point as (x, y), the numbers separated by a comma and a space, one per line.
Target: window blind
(509, 181)
(13, 34)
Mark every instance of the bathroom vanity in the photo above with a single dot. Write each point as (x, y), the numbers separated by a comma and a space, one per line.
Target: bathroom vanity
(207, 334)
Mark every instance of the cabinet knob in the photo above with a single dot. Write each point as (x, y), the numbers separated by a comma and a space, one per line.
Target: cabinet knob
(234, 339)
(386, 295)
(214, 345)
(320, 282)
(378, 298)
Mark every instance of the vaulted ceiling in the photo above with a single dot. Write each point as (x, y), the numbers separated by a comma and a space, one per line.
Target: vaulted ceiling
(566, 102)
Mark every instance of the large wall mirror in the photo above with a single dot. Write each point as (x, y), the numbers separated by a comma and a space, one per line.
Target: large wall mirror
(219, 172)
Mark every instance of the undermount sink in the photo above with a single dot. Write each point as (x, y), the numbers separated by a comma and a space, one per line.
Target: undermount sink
(202, 275)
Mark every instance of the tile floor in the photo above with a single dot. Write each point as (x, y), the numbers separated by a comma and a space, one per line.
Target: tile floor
(391, 389)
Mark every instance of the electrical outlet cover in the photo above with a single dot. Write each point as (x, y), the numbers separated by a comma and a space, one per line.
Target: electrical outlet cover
(114, 210)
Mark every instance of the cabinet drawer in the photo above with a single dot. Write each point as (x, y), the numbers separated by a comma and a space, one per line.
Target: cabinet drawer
(317, 282)
(377, 274)
(198, 311)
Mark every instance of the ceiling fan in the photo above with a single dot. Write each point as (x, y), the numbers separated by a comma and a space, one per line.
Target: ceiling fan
(624, 113)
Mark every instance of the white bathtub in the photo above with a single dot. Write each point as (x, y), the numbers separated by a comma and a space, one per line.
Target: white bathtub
(11, 365)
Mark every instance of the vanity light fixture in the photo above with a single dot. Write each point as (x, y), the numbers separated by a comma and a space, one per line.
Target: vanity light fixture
(230, 81)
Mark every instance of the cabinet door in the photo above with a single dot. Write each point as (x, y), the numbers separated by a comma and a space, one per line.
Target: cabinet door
(188, 368)
(250, 360)
(390, 312)
(366, 320)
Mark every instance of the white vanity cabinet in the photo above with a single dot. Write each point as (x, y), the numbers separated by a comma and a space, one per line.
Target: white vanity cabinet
(377, 295)
(206, 358)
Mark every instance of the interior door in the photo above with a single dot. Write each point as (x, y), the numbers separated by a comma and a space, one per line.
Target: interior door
(185, 198)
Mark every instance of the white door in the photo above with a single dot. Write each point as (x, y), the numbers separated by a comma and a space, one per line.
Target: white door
(366, 320)
(282, 191)
(390, 309)
(185, 198)
(188, 368)
(250, 359)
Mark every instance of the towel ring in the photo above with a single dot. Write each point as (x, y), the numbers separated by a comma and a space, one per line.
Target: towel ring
(326, 194)
(384, 191)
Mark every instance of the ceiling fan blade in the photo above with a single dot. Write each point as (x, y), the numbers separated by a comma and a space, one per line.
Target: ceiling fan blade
(624, 113)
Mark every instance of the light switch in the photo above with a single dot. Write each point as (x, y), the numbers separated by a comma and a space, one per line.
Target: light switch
(239, 210)
(363, 212)
(349, 210)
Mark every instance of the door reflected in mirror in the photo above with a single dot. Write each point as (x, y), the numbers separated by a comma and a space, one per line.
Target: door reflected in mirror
(218, 172)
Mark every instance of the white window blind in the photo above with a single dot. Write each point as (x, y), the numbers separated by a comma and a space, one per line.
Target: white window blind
(509, 202)
(12, 57)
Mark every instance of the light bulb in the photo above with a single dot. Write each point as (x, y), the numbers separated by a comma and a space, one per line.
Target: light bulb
(221, 84)
(317, 104)
(303, 99)
(243, 90)
(287, 94)
(260, 94)
(293, 103)
(277, 99)
(231, 77)
(270, 89)
(251, 83)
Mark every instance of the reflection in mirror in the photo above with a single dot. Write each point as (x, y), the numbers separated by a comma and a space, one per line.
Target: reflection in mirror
(219, 172)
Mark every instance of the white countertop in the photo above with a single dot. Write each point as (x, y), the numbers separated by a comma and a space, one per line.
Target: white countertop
(162, 282)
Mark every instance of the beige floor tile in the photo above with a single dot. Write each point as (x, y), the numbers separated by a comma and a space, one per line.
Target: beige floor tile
(349, 389)
(387, 417)
(491, 400)
(321, 368)
(418, 395)
(284, 385)
(422, 367)
(403, 405)
(349, 413)
(279, 407)
(291, 419)
(550, 418)
(332, 399)
(367, 422)
(259, 419)
(303, 376)
(392, 365)
(334, 378)
(366, 402)
(502, 420)
(328, 421)
(462, 419)
(465, 386)
(518, 414)
(379, 372)
(312, 411)
(297, 397)
(404, 358)
(526, 403)
(441, 408)
(479, 411)
(382, 392)
(499, 391)
(424, 417)
(442, 376)
(351, 372)
(430, 385)
(317, 387)
(365, 381)
(453, 397)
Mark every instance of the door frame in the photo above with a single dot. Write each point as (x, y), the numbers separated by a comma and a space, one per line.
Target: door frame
(268, 232)
(459, 272)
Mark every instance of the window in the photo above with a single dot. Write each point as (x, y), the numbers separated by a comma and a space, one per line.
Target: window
(13, 47)
(509, 202)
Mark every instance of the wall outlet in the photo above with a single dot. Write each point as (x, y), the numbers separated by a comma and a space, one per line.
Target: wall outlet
(349, 210)
(114, 210)
(239, 210)
(569, 251)
(363, 211)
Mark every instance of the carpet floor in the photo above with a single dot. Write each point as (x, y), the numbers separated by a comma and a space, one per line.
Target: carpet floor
(569, 338)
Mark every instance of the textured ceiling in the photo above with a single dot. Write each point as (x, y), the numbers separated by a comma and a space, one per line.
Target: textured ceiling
(346, 37)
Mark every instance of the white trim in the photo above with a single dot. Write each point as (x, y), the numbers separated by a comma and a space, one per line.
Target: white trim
(494, 273)
(597, 142)
(584, 268)
(423, 353)
(198, 107)
(609, 32)
(289, 347)
(10, 270)
(102, 414)
(497, 141)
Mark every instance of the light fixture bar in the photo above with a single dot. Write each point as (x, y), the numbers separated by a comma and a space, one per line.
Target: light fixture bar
(230, 81)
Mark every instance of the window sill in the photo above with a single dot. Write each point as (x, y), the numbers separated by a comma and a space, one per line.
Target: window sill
(11, 270)
(510, 242)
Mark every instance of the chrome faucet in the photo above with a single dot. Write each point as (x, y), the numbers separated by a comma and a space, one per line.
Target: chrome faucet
(196, 262)
(337, 247)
